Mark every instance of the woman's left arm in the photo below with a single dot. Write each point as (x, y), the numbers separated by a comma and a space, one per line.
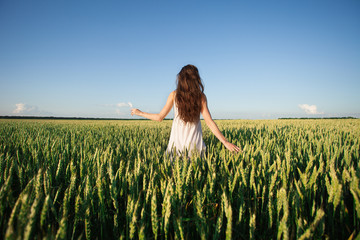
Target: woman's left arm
(214, 128)
(157, 116)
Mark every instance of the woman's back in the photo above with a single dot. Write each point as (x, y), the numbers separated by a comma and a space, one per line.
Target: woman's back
(185, 136)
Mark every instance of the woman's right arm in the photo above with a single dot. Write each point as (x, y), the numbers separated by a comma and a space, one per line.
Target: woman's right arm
(157, 116)
(214, 128)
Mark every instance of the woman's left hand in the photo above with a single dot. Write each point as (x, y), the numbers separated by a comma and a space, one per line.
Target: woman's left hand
(232, 147)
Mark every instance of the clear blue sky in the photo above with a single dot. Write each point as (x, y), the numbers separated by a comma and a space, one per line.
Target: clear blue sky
(257, 59)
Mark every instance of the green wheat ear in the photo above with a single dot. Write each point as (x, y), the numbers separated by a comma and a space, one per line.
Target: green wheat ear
(228, 213)
(10, 231)
(252, 225)
(154, 215)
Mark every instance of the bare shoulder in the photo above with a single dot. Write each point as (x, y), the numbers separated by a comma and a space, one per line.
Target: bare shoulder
(203, 103)
(172, 94)
(203, 98)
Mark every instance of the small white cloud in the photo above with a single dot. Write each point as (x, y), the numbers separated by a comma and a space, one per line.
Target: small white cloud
(122, 104)
(119, 108)
(310, 109)
(20, 107)
(25, 109)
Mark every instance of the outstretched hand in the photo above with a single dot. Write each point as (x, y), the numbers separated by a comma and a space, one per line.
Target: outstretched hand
(135, 111)
(232, 147)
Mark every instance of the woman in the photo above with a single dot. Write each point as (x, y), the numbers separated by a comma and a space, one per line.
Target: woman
(190, 101)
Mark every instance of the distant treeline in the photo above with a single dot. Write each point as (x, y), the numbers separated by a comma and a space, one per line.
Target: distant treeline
(72, 118)
(61, 118)
(322, 118)
(88, 118)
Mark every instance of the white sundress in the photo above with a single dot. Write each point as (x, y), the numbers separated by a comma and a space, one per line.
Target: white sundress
(185, 136)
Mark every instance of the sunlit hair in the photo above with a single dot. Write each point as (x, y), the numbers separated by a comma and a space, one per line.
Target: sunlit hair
(189, 93)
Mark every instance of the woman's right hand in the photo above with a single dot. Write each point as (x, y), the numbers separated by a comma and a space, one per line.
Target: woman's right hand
(231, 147)
(135, 111)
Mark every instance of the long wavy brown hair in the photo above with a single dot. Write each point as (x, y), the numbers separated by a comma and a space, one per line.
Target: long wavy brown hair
(189, 93)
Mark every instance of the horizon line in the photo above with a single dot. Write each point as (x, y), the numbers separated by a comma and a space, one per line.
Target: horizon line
(110, 118)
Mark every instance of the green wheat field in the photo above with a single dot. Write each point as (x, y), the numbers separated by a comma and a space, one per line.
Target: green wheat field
(111, 179)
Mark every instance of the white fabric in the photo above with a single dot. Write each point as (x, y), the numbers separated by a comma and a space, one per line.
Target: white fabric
(185, 136)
